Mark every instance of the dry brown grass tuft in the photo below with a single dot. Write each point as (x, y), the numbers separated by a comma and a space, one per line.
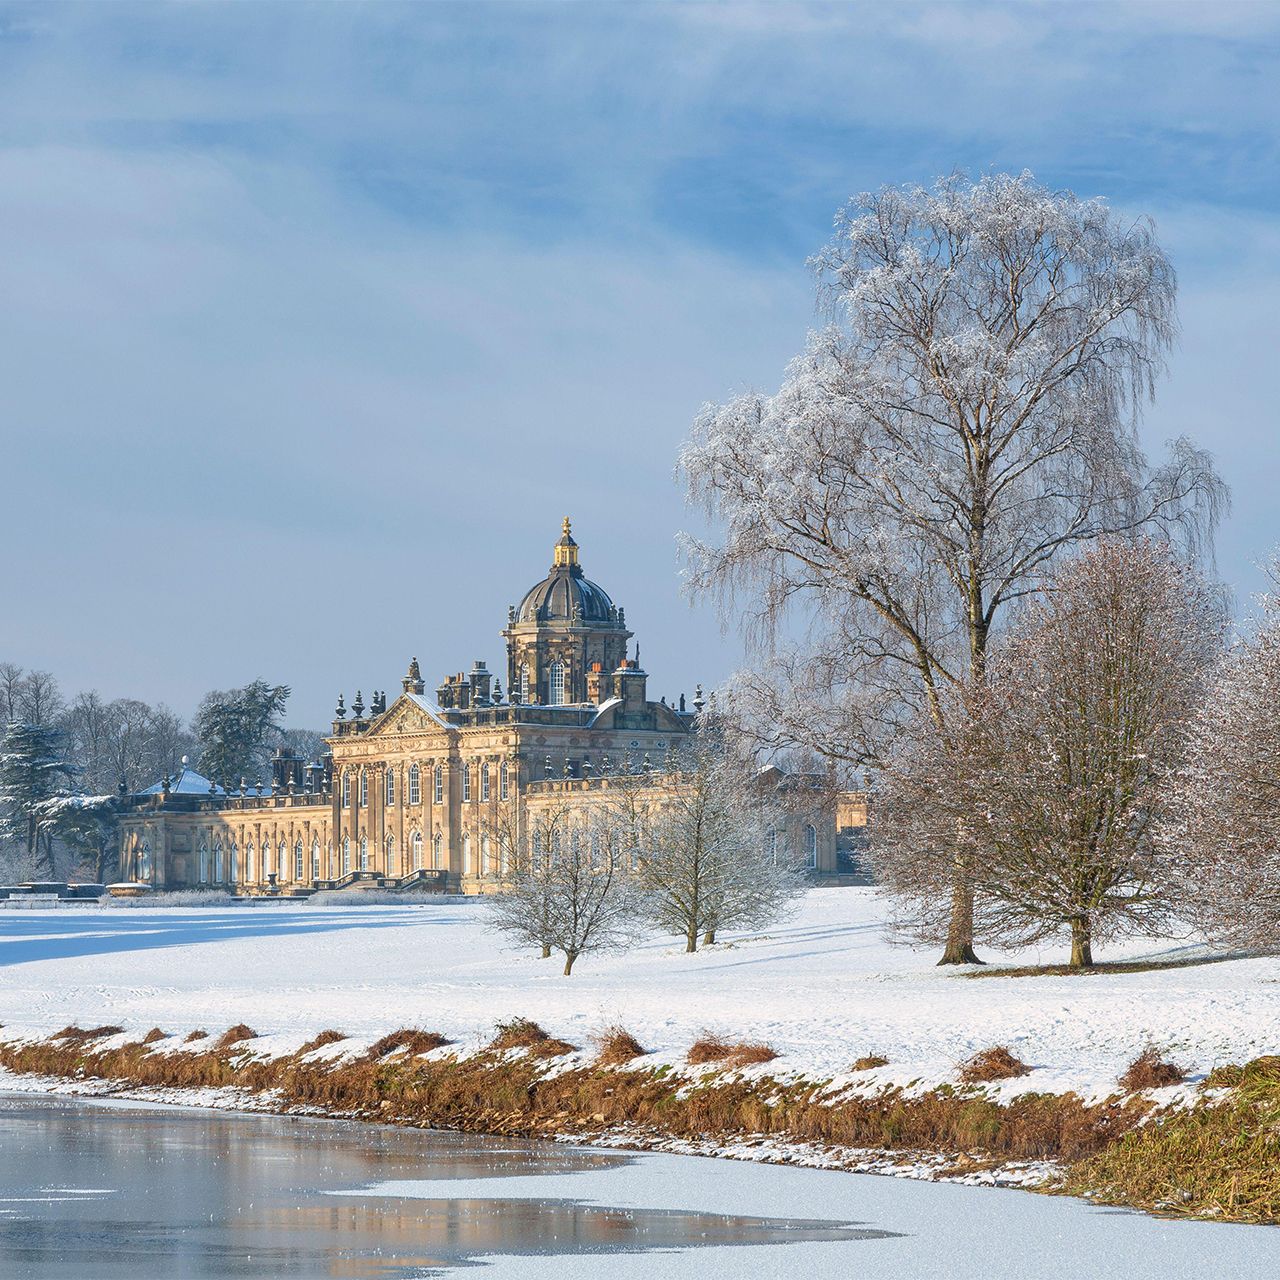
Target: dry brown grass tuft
(521, 1033)
(234, 1035)
(410, 1039)
(1149, 1071)
(153, 1035)
(616, 1045)
(196, 1035)
(319, 1041)
(78, 1035)
(712, 1048)
(870, 1063)
(993, 1064)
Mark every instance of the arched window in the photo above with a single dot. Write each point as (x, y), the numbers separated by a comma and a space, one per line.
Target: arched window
(555, 684)
(466, 782)
(467, 868)
(810, 845)
(144, 861)
(346, 854)
(415, 846)
(502, 781)
(390, 794)
(282, 860)
(346, 791)
(204, 862)
(249, 868)
(315, 859)
(484, 781)
(524, 682)
(218, 868)
(438, 793)
(437, 851)
(391, 855)
(486, 867)
(235, 863)
(364, 789)
(415, 785)
(299, 865)
(364, 853)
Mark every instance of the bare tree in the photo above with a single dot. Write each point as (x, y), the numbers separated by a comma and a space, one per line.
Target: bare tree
(1053, 788)
(39, 699)
(570, 893)
(711, 855)
(11, 678)
(968, 416)
(1225, 832)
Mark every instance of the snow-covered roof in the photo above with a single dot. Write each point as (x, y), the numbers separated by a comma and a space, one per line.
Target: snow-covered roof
(428, 706)
(607, 705)
(187, 783)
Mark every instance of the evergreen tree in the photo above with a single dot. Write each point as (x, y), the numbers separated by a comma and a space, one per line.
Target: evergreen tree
(32, 766)
(235, 727)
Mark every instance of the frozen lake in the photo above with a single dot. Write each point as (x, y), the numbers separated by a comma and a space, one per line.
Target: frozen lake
(93, 1189)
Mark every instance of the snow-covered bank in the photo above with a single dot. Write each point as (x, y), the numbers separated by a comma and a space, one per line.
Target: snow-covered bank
(823, 988)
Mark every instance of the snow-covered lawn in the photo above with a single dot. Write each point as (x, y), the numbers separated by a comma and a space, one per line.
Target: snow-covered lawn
(823, 987)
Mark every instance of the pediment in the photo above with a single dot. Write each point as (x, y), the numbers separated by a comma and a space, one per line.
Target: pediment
(407, 714)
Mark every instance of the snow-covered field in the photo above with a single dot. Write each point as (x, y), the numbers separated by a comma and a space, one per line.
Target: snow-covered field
(823, 987)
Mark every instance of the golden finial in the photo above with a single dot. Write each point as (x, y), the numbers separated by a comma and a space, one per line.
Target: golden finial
(566, 550)
(564, 528)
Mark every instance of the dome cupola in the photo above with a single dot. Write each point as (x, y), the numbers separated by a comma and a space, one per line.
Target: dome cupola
(565, 594)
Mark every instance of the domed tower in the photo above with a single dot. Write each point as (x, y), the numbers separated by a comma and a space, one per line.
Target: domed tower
(565, 636)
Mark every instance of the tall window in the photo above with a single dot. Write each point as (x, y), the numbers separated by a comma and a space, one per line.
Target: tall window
(415, 785)
(144, 861)
(204, 862)
(282, 860)
(364, 789)
(299, 863)
(415, 844)
(248, 861)
(771, 844)
(538, 845)
(218, 868)
(391, 855)
(486, 867)
(438, 794)
(555, 684)
(502, 781)
(346, 854)
(437, 850)
(390, 794)
(466, 782)
(810, 845)
(524, 682)
(364, 853)
(315, 859)
(467, 868)
(235, 863)
(346, 791)
(484, 782)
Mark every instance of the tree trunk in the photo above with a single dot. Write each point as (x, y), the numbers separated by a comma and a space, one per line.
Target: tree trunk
(1081, 943)
(959, 948)
(569, 958)
(708, 938)
(546, 951)
(691, 940)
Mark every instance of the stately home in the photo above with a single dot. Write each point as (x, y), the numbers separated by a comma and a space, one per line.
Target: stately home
(427, 791)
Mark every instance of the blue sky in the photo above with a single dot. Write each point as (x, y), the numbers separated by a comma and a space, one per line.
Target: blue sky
(318, 318)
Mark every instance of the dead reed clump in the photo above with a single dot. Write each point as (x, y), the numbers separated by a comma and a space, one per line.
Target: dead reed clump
(195, 1035)
(521, 1033)
(993, 1064)
(153, 1035)
(411, 1040)
(234, 1035)
(81, 1035)
(319, 1041)
(616, 1045)
(1149, 1071)
(712, 1048)
(869, 1063)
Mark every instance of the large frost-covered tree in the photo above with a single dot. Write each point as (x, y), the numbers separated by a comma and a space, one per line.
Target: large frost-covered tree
(1225, 832)
(33, 767)
(1056, 782)
(968, 415)
(235, 728)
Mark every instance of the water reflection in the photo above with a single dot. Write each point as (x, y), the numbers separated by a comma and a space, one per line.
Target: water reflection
(93, 1190)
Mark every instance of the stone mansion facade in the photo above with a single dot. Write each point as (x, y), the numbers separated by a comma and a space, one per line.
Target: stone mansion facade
(424, 791)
